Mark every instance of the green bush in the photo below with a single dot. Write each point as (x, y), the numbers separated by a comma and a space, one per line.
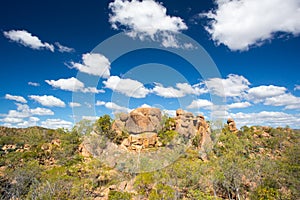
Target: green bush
(103, 125)
(265, 193)
(116, 195)
(198, 194)
(167, 136)
(162, 191)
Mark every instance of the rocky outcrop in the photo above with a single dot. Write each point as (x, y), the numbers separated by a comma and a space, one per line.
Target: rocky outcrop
(142, 141)
(231, 125)
(139, 121)
(185, 123)
(142, 125)
(189, 126)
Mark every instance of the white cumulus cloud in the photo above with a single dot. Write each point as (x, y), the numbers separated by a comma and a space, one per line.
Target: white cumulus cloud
(24, 115)
(57, 123)
(15, 98)
(113, 106)
(48, 100)
(72, 84)
(146, 19)
(181, 90)
(297, 87)
(41, 111)
(116, 108)
(74, 104)
(27, 39)
(128, 87)
(240, 24)
(200, 103)
(288, 100)
(268, 118)
(100, 103)
(239, 105)
(93, 64)
(233, 86)
(265, 91)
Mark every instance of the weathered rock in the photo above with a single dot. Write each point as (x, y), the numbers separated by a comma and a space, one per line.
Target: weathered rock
(83, 151)
(185, 123)
(231, 125)
(124, 117)
(144, 140)
(206, 141)
(179, 112)
(143, 120)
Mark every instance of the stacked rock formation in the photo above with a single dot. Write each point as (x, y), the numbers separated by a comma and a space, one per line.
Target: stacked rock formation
(231, 125)
(185, 123)
(189, 125)
(142, 124)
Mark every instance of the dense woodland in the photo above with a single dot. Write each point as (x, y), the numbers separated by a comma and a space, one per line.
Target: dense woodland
(253, 163)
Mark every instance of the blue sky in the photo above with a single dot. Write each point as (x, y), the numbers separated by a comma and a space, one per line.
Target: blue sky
(52, 74)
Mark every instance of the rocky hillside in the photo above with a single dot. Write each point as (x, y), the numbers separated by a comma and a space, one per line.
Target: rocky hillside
(189, 161)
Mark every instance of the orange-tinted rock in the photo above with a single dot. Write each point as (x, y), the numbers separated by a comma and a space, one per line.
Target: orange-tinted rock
(231, 125)
(144, 120)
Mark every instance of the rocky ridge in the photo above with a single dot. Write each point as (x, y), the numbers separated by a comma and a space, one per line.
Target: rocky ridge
(143, 125)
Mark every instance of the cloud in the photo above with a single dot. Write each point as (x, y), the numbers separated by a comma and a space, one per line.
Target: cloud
(32, 121)
(261, 92)
(297, 87)
(116, 108)
(57, 123)
(48, 100)
(145, 106)
(74, 104)
(100, 103)
(72, 84)
(288, 100)
(170, 113)
(16, 98)
(93, 64)
(113, 106)
(90, 118)
(240, 24)
(146, 19)
(22, 112)
(33, 84)
(128, 87)
(181, 90)
(233, 86)
(12, 120)
(41, 111)
(63, 49)
(266, 118)
(27, 39)
(200, 103)
(239, 105)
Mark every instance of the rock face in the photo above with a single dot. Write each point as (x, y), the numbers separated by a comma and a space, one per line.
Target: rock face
(139, 121)
(185, 123)
(189, 126)
(142, 124)
(143, 120)
(141, 141)
(232, 125)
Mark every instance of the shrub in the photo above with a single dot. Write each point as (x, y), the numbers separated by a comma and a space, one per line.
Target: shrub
(116, 195)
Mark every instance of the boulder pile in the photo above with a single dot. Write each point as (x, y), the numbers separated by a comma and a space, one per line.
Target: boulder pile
(143, 125)
(231, 125)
